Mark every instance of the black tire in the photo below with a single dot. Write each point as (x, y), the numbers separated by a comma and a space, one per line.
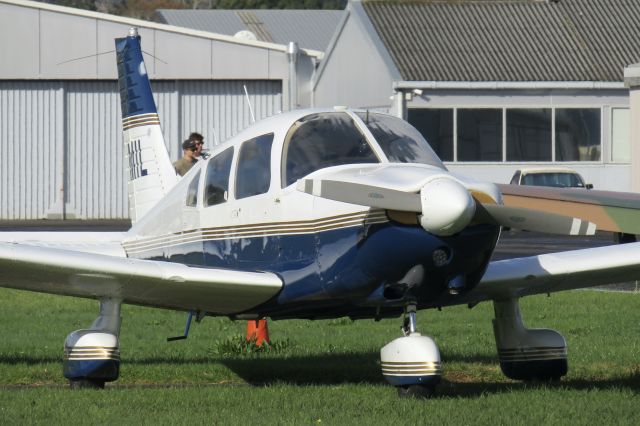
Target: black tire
(86, 384)
(416, 391)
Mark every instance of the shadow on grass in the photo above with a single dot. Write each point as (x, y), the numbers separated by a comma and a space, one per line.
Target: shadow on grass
(356, 368)
(474, 358)
(336, 368)
(448, 389)
(15, 359)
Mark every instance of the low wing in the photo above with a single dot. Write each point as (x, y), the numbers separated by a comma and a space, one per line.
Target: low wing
(553, 272)
(109, 243)
(610, 211)
(143, 282)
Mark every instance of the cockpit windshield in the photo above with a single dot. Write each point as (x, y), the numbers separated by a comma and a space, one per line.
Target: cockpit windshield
(323, 140)
(400, 141)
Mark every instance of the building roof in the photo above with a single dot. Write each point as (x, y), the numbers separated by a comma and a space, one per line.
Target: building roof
(509, 40)
(311, 29)
(71, 11)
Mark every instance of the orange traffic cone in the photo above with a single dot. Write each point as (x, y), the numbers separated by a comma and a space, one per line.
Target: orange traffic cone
(257, 329)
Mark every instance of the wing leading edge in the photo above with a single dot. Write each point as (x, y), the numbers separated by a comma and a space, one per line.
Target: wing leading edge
(547, 273)
(143, 282)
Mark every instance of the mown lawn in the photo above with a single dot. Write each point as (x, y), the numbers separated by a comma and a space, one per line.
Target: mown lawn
(322, 372)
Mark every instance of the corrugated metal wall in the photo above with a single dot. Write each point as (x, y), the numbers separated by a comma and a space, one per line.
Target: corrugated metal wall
(31, 149)
(95, 177)
(224, 111)
(61, 142)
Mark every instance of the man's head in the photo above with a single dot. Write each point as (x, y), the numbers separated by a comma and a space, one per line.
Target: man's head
(190, 148)
(199, 141)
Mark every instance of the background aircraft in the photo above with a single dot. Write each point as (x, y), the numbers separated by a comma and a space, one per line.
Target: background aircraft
(309, 214)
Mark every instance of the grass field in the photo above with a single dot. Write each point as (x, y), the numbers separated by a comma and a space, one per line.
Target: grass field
(322, 372)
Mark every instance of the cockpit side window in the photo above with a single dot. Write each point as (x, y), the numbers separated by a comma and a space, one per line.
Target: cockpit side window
(322, 140)
(399, 140)
(217, 184)
(192, 191)
(253, 174)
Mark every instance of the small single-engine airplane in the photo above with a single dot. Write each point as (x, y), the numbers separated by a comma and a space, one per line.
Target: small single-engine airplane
(309, 214)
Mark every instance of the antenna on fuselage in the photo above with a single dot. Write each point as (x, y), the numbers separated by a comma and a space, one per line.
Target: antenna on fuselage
(246, 93)
(215, 137)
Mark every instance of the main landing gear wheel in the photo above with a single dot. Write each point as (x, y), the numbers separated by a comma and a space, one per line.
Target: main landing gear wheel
(86, 384)
(92, 356)
(412, 363)
(537, 355)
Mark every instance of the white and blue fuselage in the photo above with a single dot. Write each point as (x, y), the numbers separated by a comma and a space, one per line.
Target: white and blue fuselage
(334, 258)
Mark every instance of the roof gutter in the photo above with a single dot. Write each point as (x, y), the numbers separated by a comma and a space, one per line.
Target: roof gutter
(497, 85)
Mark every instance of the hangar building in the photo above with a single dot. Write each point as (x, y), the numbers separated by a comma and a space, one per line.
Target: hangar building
(493, 85)
(496, 85)
(60, 124)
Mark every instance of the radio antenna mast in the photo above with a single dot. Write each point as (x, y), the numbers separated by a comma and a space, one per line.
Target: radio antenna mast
(246, 93)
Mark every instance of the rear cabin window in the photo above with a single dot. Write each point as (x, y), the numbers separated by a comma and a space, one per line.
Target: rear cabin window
(253, 174)
(323, 140)
(192, 191)
(217, 184)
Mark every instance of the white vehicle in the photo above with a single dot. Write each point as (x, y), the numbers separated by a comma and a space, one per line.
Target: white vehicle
(309, 214)
(549, 176)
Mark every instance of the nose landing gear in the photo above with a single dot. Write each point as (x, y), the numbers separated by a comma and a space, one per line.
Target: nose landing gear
(412, 363)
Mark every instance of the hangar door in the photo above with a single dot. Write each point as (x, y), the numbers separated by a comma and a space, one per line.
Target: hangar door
(61, 142)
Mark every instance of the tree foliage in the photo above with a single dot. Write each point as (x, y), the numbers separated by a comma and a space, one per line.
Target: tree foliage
(145, 9)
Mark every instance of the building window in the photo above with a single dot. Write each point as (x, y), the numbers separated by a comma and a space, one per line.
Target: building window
(479, 134)
(620, 135)
(253, 175)
(577, 134)
(436, 125)
(529, 134)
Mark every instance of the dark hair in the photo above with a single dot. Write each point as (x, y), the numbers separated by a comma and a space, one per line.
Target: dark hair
(196, 137)
(189, 144)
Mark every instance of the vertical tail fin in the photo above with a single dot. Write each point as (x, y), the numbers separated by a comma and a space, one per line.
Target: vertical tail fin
(151, 174)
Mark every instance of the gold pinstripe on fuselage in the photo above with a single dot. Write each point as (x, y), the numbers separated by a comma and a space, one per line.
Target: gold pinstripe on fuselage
(256, 230)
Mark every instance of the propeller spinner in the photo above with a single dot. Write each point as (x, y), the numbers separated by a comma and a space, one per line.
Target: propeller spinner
(446, 206)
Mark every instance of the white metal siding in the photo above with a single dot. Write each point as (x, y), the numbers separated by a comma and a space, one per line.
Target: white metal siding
(31, 149)
(167, 98)
(220, 111)
(95, 179)
(47, 125)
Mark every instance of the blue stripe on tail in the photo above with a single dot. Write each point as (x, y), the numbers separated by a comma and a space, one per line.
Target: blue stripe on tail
(135, 90)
